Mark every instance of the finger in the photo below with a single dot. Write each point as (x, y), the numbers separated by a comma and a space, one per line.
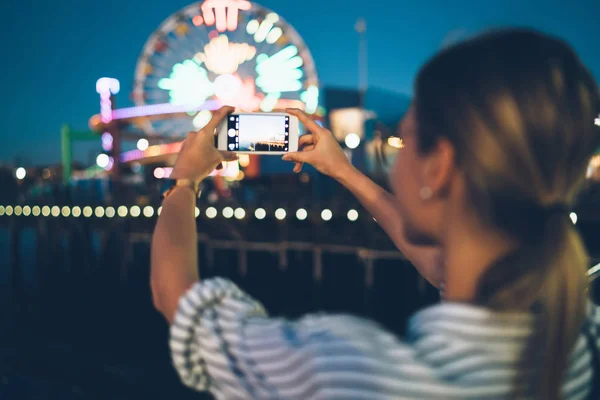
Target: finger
(297, 157)
(305, 140)
(298, 167)
(228, 156)
(309, 148)
(217, 117)
(308, 122)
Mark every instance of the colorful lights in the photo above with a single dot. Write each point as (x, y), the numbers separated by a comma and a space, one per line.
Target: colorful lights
(152, 151)
(352, 140)
(311, 98)
(161, 109)
(281, 72)
(395, 142)
(148, 211)
(280, 214)
(274, 35)
(106, 87)
(352, 215)
(103, 161)
(244, 160)
(187, 84)
(211, 212)
(135, 211)
(264, 29)
(99, 212)
(143, 144)
(228, 212)
(20, 173)
(239, 213)
(227, 87)
(107, 141)
(260, 213)
(222, 57)
(197, 20)
(252, 27)
(161, 173)
(301, 214)
(597, 120)
(573, 217)
(110, 212)
(223, 13)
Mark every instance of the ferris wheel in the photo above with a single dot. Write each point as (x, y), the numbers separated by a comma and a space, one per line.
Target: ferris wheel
(216, 52)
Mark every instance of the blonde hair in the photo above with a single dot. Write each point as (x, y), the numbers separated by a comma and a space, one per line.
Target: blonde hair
(519, 108)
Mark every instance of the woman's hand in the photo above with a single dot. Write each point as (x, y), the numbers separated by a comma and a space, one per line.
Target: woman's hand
(318, 148)
(198, 156)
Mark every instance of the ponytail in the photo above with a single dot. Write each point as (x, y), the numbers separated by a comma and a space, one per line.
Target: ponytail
(547, 277)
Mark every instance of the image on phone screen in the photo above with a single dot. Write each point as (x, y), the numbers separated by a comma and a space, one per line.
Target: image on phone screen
(247, 132)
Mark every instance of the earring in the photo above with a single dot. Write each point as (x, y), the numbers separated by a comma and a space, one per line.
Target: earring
(425, 193)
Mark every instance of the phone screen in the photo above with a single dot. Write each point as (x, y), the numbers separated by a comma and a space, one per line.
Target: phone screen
(252, 132)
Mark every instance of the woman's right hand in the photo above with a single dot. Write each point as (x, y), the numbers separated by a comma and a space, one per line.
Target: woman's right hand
(318, 148)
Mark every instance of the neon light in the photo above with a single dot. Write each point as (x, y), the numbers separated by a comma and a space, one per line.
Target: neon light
(107, 141)
(188, 83)
(197, 20)
(35, 211)
(66, 211)
(135, 211)
(252, 27)
(222, 57)
(326, 214)
(274, 35)
(597, 121)
(122, 211)
(227, 87)
(45, 211)
(270, 101)
(102, 160)
(26, 211)
(263, 31)
(76, 211)
(148, 211)
(106, 87)
(280, 72)
(142, 144)
(223, 13)
(110, 212)
(311, 98)
(165, 108)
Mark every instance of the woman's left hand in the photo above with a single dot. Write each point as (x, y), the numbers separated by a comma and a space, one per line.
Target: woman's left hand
(198, 156)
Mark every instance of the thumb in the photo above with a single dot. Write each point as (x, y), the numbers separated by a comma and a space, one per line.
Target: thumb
(228, 156)
(298, 157)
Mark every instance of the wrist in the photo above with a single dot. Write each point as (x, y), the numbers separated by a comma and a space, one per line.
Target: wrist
(346, 174)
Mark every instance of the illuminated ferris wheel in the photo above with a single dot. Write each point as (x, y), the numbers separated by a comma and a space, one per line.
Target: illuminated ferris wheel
(219, 52)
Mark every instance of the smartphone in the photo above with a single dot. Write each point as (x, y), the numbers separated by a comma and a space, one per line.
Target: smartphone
(259, 133)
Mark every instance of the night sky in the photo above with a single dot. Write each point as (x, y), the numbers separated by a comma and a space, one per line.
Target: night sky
(54, 51)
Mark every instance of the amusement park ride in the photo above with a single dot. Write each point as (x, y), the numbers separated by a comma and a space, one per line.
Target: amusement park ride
(208, 54)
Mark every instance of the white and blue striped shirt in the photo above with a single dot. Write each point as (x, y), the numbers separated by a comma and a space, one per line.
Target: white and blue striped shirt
(222, 341)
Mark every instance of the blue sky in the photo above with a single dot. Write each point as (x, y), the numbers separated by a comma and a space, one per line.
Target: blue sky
(54, 51)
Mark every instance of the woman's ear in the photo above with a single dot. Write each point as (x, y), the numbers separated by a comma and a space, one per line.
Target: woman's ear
(439, 167)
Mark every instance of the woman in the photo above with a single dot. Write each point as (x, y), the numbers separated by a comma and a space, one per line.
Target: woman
(496, 146)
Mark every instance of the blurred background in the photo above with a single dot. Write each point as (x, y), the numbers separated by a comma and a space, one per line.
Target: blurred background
(97, 98)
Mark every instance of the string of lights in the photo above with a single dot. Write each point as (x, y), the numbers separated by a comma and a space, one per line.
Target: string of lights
(136, 211)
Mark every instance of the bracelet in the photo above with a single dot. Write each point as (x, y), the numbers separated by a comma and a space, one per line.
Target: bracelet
(188, 183)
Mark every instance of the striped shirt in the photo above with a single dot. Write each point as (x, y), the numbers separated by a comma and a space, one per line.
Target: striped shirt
(222, 341)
